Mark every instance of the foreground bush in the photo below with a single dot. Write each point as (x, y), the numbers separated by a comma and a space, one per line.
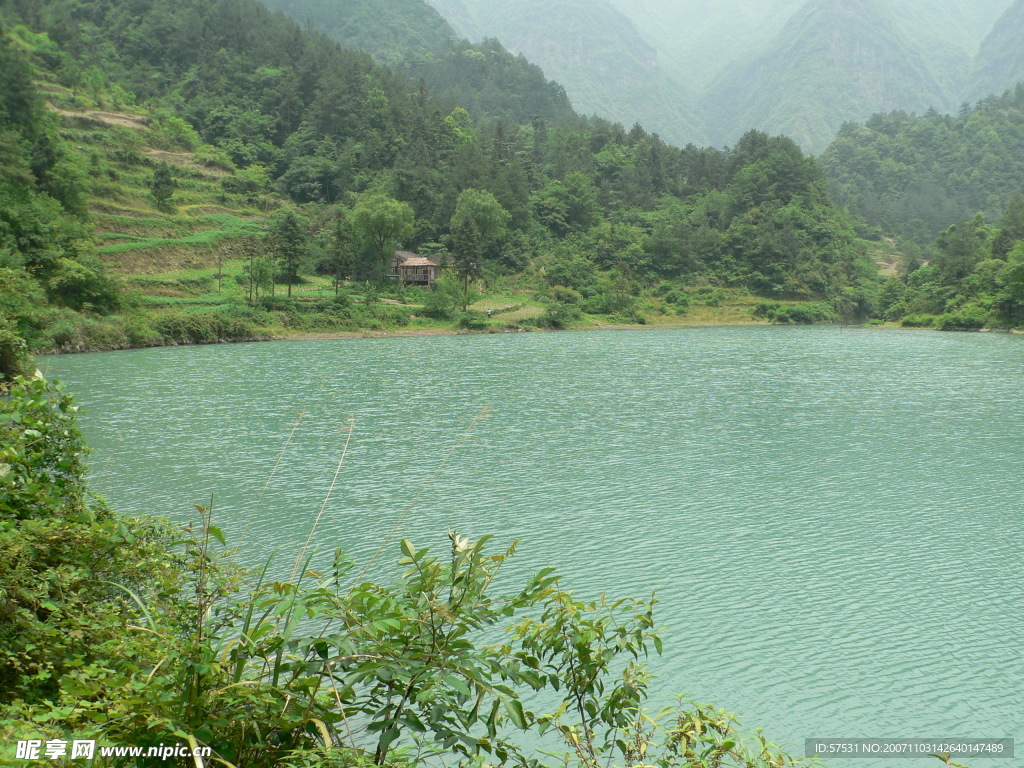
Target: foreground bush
(70, 566)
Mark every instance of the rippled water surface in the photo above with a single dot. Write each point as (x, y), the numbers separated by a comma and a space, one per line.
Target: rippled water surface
(831, 518)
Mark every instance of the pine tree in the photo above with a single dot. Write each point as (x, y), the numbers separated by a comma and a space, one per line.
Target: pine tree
(289, 240)
(162, 186)
(467, 250)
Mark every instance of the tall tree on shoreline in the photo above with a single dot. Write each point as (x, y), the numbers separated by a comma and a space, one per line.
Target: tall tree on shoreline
(289, 239)
(383, 222)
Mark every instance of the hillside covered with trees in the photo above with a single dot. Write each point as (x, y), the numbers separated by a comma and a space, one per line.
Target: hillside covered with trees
(48, 268)
(412, 38)
(912, 176)
(312, 146)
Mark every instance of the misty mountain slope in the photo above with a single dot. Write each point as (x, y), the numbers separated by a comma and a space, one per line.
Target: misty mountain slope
(961, 23)
(948, 34)
(978, 17)
(389, 30)
(1000, 62)
(942, 32)
(460, 17)
(696, 39)
(596, 53)
(738, 57)
(835, 61)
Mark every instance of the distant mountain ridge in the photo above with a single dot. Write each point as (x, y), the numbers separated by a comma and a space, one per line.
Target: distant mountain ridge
(721, 69)
(835, 61)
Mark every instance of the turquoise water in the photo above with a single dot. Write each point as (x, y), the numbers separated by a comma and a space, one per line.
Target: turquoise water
(831, 518)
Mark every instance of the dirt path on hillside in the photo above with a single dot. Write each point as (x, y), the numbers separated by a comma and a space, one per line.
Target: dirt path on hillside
(110, 118)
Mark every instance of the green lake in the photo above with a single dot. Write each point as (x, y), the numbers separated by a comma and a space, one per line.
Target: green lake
(831, 518)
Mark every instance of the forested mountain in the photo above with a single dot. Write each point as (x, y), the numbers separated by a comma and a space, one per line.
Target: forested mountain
(974, 276)
(913, 176)
(492, 84)
(411, 37)
(390, 30)
(597, 210)
(1000, 62)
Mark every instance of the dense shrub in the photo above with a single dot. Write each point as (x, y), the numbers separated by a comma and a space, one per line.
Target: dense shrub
(14, 356)
(140, 332)
(471, 321)
(70, 563)
(677, 299)
(918, 321)
(203, 328)
(559, 315)
(775, 312)
(631, 316)
(560, 293)
(961, 321)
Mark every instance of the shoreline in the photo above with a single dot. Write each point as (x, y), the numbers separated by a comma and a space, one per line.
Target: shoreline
(394, 333)
(423, 332)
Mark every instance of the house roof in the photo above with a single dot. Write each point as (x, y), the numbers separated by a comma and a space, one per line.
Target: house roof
(413, 260)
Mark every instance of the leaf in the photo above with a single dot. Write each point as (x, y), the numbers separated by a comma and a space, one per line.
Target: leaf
(657, 644)
(408, 550)
(261, 630)
(410, 719)
(387, 738)
(459, 685)
(515, 711)
(217, 533)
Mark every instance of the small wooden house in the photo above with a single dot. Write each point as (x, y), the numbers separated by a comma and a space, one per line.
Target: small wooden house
(409, 267)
